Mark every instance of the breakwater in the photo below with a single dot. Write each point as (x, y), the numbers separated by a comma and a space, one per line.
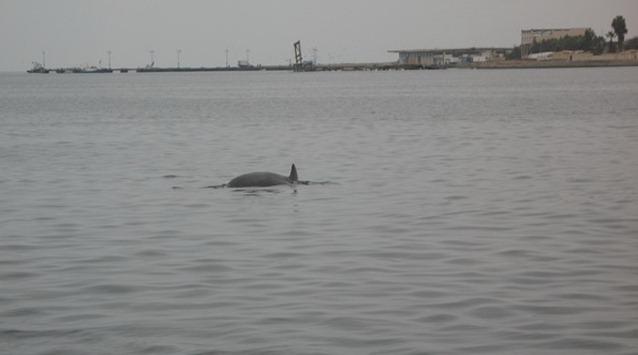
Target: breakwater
(306, 68)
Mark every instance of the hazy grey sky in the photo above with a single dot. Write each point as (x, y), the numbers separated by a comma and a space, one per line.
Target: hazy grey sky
(78, 32)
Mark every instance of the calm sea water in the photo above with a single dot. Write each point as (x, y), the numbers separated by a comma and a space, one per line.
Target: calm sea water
(467, 212)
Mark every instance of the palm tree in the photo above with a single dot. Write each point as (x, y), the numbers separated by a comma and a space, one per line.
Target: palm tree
(611, 35)
(620, 28)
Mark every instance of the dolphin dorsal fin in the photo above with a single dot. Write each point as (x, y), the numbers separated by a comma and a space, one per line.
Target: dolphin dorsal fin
(293, 173)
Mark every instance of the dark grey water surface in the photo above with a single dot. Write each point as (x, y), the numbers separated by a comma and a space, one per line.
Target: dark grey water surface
(470, 212)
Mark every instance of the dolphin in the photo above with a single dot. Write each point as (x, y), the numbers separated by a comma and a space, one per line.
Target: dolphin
(263, 179)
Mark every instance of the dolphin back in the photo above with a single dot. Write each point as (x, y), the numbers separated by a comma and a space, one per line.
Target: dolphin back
(262, 179)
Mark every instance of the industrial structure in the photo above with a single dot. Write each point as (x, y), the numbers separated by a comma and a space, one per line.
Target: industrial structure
(529, 37)
(300, 64)
(298, 57)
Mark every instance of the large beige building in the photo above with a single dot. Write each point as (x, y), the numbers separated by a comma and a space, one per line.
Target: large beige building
(528, 37)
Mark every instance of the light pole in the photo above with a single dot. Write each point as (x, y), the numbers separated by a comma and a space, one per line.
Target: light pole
(226, 57)
(109, 53)
(179, 51)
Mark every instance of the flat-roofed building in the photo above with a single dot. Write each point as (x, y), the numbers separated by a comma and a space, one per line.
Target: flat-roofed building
(440, 57)
(528, 37)
(420, 57)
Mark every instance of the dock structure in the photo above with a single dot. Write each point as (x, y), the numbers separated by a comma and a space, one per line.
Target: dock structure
(306, 67)
(298, 57)
(244, 65)
(212, 69)
(299, 65)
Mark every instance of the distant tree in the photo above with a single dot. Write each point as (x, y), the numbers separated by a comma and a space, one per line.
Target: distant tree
(588, 39)
(611, 35)
(599, 45)
(620, 29)
(514, 54)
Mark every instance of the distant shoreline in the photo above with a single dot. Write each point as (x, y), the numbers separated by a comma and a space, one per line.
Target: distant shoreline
(533, 64)
(383, 66)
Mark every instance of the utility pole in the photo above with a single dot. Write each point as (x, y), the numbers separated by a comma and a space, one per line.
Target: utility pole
(179, 51)
(109, 53)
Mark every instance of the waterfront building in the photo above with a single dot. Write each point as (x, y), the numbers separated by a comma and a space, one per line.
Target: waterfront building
(528, 37)
(450, 56)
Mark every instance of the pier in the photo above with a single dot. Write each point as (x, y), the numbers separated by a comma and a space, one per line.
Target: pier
(243, 65)
(306, 68)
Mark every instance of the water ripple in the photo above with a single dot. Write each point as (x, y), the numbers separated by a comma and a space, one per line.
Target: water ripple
(505, 224)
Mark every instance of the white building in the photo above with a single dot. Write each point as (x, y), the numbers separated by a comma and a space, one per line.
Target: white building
(439, 57)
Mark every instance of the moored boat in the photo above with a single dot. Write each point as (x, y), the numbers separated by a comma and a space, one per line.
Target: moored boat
(92, 70)
(38, 68)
